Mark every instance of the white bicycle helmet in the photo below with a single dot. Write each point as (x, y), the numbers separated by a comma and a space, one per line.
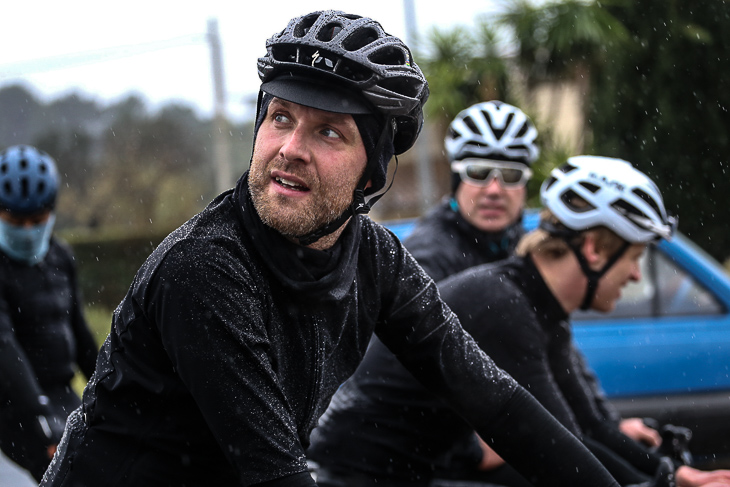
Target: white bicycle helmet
(618, 196)
(492, 130)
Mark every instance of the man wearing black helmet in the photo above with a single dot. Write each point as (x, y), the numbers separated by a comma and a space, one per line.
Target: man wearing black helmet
(43, 334)
(242, 324)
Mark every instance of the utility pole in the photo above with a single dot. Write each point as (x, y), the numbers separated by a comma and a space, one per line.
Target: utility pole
(221, 131)
(424, 168)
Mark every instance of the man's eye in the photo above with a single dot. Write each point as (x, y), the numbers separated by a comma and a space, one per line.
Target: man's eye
(330, 133)
(281, 118)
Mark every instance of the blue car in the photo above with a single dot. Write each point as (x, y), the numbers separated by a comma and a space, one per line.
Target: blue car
(664, 352)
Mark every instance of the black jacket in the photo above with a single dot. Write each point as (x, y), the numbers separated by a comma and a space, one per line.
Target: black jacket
(385, 424)
(523, 327)
(43, 334)
(231, 342)
(444, 243)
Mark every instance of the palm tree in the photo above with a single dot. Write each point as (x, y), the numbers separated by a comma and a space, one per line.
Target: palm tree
(560, 42)
(462, 68)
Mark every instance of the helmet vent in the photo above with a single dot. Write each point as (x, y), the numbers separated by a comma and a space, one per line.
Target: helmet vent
(23, 164)
(590, 187)
(360, 39)
(472, 126)
(303, 27)
(353, 71)
(4, 168)
(329, 32)
(567, 168)
(523, 130)
(389, 56)
(648, 199)
(499, 132)
(403, 86)
(577, 204)
(627, 208)
(24, 188)
(8, 188)
(549, 182)
(43, 168)
(41, 187)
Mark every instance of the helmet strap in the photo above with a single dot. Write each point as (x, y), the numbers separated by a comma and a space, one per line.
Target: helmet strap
(594, 275)
(359, 205)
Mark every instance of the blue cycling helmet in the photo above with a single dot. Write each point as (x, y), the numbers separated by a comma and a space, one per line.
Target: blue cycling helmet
(28, 180)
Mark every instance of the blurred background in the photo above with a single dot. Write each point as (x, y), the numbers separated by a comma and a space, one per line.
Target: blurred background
(148, 107)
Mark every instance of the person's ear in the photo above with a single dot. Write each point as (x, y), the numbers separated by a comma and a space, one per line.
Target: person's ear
(595, 257)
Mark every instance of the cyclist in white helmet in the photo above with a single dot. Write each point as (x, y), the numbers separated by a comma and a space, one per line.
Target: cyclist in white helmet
(600, 214)
(490, 147)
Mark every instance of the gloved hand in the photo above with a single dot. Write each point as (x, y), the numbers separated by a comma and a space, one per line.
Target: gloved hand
(45, 425)
(675, 443)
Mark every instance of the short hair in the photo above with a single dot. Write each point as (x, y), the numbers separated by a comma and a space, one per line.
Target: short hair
(553, 247)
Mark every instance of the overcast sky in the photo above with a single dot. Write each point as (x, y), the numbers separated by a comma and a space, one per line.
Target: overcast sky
(157, 48)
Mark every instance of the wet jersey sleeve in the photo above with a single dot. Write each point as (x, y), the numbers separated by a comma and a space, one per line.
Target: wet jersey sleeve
(86, 348)
(428, 339)
(507, 329)
(18, 384)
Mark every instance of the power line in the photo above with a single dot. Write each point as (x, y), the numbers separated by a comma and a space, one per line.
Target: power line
(71, 60)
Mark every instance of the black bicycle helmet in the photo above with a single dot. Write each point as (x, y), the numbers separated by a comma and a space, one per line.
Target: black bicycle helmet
(336, 54)
(344, 63)
(28, 180)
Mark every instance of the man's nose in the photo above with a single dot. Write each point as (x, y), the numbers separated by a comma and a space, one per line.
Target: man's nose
(493, 186)
(295, 146)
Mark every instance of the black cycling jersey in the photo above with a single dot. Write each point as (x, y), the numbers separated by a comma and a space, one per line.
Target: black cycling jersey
(43, 340)
(444, 243)
(231, 342)
(525, 330)
(384, 424)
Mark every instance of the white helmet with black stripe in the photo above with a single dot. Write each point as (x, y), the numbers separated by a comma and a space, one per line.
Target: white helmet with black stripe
(616, 195)
(492, 130)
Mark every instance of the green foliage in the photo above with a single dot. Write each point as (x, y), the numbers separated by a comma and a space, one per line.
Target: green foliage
(558, 37)
(463, 68)
(662, 103)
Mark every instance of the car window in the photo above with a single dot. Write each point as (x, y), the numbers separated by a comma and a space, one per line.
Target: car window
(664, 290)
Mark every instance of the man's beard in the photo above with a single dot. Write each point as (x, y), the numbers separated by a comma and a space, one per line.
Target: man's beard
(325, 204)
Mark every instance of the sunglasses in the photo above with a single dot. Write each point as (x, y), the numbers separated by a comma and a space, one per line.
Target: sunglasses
(480, 172)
